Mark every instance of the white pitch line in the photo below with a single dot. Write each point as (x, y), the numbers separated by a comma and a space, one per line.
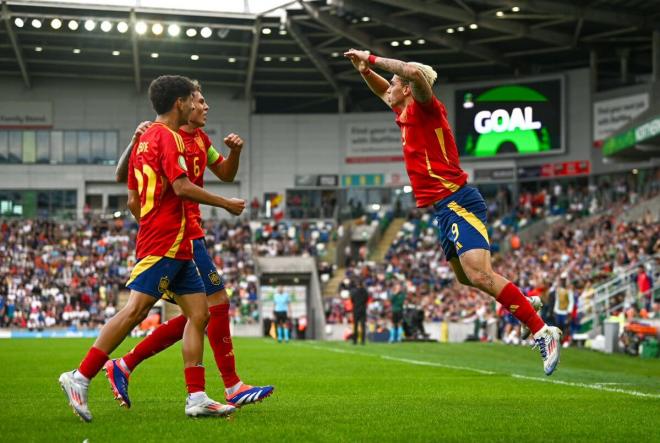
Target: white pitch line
(595, 386)
(338, 351)
(403, 360)
(440, 365)
(611, 383)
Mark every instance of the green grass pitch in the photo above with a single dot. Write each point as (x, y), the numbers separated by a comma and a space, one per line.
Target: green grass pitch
(337, 392)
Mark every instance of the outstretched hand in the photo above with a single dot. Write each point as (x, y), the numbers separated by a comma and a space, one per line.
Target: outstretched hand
(141, 129)
(360, 59)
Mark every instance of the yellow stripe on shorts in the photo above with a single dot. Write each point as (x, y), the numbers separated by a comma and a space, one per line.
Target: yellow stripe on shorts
(142, 266)
(470, 218)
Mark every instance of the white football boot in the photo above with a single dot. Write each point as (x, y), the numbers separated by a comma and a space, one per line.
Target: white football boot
(548, 340)
(203, 406)
(76, 392)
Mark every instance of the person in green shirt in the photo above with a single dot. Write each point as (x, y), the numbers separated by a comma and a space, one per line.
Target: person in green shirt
(397, 297)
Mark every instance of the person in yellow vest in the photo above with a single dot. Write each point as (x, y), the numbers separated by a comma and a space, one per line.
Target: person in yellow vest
(563, 305)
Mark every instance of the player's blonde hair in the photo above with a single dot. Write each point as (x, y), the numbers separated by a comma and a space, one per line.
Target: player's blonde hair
(428, 72)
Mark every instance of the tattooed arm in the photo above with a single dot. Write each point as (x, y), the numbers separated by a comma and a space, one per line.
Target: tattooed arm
(376, 83)
(409, 72)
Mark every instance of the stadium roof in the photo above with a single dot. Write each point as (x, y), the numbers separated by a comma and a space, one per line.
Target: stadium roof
(287, 55)
(224, 6)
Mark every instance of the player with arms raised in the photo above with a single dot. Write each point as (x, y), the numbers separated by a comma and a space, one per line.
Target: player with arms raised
(164, 252)
(199, 154)
(431, 159)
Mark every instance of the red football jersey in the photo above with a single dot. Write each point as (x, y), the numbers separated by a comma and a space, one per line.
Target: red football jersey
(157, 161)
(197, 145)
(429, 151)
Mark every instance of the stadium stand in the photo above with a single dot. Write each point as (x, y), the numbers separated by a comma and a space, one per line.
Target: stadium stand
(590, 246)
(71, 273)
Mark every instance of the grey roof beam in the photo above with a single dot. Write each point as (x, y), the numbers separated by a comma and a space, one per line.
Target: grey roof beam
(420, 29)
(308, 103)
(109, 77)
(314, 56)
(330, 41)
(183, 24)
(294, 94)
(495, 24)
(252, 63)
(136, 53)
(576, 12)
(176, 13)
(340, 27)
(6, 18)
(121, 37)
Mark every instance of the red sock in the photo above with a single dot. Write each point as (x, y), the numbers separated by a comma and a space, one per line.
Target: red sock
(516, 303)
(162, 338)
(195, 379)
(93, 362)
(220, 340)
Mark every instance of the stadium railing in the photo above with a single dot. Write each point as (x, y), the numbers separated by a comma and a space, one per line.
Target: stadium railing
(613, 295)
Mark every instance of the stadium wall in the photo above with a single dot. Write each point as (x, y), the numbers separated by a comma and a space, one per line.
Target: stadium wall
(279, 146)
(93, 105)
(283, 146)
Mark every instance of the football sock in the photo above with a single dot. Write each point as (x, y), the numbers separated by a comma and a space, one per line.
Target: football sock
(194, 379)
(92, 363)
(162, 338)
(80, 378)
(286, 333)
(220, 341)
(196, 396)
(279, 333)
(518, 305)
(392, 334)
(400, 333)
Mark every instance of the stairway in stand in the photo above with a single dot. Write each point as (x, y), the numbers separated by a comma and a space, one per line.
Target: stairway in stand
(332, 287)
(378, 254)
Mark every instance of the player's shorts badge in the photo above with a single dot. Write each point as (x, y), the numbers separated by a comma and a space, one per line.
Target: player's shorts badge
(215, 278)
(163, 284)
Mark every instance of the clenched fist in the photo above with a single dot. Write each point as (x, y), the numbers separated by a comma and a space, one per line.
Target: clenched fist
(234, 142)
(235, 206)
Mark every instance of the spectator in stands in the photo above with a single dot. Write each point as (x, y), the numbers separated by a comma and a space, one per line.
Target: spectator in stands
(644, 287)
(254, 208)
(359, 299)
(563, 305)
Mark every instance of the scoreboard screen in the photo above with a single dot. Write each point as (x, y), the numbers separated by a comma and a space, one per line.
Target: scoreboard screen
(512, 119)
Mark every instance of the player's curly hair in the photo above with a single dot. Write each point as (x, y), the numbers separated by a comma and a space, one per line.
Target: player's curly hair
(166, 89)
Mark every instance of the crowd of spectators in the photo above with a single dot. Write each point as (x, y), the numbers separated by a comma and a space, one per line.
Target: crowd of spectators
(561, 267)
(62, 274)
(71, 274)
(537, 201)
